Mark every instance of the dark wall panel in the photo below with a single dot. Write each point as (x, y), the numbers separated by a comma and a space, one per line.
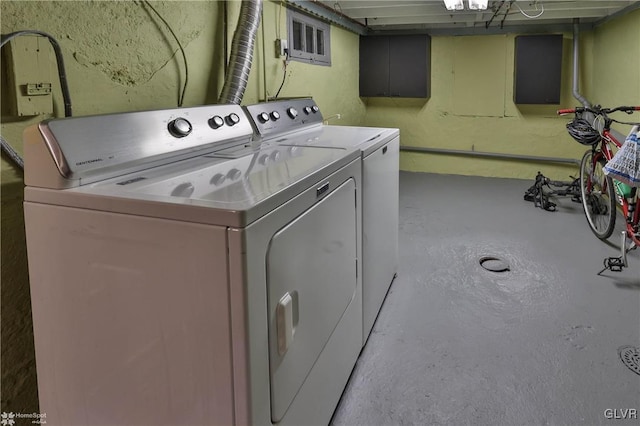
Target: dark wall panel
(374, 66)
(408, 66)
(538, 69)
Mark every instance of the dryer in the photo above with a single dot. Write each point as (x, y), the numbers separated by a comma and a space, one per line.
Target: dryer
(182, 274)
(380, 153)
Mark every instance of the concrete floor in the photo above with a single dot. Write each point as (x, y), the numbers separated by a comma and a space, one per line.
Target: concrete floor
(455, 344)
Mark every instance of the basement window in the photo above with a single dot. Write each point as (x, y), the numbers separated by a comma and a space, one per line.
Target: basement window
(309, 39)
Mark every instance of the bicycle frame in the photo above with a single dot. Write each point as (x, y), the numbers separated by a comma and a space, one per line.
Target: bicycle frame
(605, 151)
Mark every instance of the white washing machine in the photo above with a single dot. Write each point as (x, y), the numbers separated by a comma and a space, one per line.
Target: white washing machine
(380, 154)
(182, 275)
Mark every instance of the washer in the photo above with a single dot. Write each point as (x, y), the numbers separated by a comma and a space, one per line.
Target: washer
(380, 153)
(182, 274)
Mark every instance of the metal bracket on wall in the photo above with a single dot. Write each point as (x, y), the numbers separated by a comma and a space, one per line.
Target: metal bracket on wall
(38, 89)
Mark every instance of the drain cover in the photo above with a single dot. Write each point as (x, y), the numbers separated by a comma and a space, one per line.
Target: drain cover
(494, 264)
(630, 357)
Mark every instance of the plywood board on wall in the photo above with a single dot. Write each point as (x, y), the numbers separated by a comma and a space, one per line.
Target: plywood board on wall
(479, 76)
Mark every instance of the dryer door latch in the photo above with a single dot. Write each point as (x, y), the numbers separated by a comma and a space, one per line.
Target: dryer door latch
(284, 323)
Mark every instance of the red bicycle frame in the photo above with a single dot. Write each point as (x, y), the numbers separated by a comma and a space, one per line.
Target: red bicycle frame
(633, 222)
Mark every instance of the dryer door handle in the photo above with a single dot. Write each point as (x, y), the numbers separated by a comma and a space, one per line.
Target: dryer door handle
(284, 323)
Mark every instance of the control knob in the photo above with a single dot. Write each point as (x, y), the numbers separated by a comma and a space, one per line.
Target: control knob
(232, 119)
(275, 156)
(180, 127)
(217, 179)
(275, 115)
(292, 112)
(264, 159)
(216, 122)
(234, 174)
(315, 109)
(183, 190)
(263, 117)
(307, 110)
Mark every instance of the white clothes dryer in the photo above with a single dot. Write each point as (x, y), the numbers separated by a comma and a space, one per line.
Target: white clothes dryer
(380, 153)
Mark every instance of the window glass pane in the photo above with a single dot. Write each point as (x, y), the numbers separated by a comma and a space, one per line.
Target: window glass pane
(320, 41)
(297, 35)
(309, 38)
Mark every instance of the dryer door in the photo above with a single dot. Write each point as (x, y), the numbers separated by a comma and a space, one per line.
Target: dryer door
(311, 278)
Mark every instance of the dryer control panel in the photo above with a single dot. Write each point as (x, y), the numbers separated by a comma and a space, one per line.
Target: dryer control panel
(272, 118)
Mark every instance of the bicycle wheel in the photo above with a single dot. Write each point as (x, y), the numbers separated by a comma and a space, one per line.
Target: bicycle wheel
(598, 196)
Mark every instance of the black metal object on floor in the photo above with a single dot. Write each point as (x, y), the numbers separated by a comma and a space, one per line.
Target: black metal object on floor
(540, 197)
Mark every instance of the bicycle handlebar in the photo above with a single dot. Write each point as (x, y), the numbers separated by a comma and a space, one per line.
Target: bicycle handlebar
(598, 110)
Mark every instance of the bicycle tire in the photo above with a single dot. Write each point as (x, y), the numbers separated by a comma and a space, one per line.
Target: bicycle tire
(599, 201)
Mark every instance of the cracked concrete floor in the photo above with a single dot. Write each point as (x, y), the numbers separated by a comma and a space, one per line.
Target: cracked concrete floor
(455, 344)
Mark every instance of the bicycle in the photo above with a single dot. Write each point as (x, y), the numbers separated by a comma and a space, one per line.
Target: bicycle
(600, 193)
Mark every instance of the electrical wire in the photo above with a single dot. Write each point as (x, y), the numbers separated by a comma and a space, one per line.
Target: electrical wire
(532, 16)
(62, 76)
(506, 13)
(184, 55)
(284, 77)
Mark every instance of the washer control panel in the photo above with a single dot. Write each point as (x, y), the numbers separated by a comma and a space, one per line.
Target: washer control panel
(93, 148)
(271, 118)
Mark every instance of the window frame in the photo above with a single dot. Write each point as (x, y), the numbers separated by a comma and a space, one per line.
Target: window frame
(301, 54)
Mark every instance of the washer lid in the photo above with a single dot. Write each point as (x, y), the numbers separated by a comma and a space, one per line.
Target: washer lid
(208, 189)
(365, 139)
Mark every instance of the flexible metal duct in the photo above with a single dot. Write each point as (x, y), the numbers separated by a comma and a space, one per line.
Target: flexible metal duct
(241, 53)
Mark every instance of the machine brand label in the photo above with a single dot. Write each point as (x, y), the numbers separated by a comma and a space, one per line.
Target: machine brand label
(95, 160)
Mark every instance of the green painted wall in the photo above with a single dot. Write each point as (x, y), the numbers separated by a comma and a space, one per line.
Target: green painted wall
(615, 77)
(120, 57)
(471, 106)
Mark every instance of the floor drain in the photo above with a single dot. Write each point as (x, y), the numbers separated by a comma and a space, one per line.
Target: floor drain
(494, 264)
(630, 357)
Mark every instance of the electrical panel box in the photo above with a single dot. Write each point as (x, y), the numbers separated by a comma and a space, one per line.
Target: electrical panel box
(29, 75)
(538, 69)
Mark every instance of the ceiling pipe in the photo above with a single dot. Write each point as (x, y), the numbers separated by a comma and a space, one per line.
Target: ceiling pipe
(241, 53)
(576, 64)
(500, 155)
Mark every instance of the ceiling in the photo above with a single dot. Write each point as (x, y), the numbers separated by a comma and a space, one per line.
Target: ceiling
(432, 16)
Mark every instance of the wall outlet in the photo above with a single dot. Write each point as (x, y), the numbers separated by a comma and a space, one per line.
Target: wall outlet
(281, 45)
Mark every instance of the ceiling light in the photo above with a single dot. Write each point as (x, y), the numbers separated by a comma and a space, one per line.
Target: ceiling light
(454, 4)
(478, 4)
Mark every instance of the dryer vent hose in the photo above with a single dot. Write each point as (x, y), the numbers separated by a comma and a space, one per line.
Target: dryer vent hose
(241, 53)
